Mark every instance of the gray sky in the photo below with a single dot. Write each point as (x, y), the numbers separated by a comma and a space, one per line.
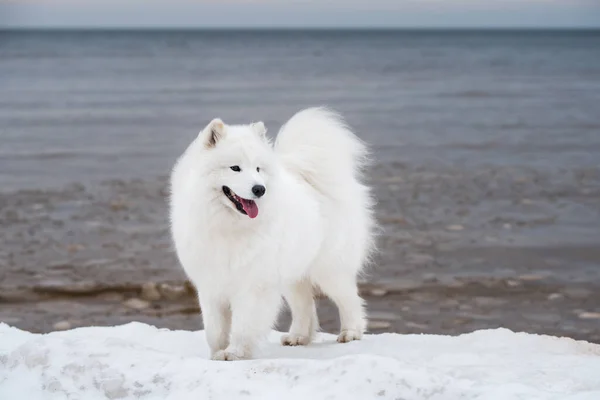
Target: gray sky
(300, 13)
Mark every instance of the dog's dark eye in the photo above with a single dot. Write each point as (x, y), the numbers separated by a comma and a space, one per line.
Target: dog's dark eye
(257, 169)
(235, 168)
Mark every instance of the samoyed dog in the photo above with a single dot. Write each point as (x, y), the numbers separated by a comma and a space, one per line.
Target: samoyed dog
(253, 222)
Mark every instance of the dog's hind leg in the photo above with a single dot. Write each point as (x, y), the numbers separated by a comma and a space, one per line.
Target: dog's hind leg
(343, 291)
(304, 314)
(216, 316)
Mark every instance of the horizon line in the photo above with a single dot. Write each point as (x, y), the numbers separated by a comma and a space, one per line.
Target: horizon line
(297, 28)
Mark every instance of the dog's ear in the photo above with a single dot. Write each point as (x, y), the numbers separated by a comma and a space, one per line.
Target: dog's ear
(259, 128)
(213, 132)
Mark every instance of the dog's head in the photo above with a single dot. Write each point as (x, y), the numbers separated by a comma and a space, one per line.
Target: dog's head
(241, 164)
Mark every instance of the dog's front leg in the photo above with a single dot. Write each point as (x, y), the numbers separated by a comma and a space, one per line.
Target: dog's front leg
(253, 314)
(216, 316)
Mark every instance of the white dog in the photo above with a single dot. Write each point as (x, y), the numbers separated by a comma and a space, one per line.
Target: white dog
(252, 221)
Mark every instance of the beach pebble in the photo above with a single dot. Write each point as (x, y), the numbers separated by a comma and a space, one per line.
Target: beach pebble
(531, 277)
(189, 287)
(453, 283)
(96, 262)
(136, 304)
(489, 301)
(378, 292)
(393, 219)
(384, 316)
(555, 296)
(401, 285)
(378, 325)
(112, 245)
(461, 321)
(521, 179)
(118, 205)
(577, 293)
(172, 292)
(422, 297)
(415, 325)
(150, 292)
(455, 227)
(110, 296)
(73, 248)
(62, 326)
(589, 315)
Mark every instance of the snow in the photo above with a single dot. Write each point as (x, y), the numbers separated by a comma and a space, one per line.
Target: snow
(138, 361)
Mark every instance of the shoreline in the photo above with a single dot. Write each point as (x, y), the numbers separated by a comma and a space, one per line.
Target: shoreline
(463, 305)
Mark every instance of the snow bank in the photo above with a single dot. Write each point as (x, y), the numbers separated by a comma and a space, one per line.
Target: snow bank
(138, 361)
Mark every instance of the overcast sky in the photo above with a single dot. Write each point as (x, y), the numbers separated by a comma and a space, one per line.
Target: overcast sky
(300, 13)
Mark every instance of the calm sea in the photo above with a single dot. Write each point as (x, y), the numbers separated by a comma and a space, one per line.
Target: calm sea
(87, 106)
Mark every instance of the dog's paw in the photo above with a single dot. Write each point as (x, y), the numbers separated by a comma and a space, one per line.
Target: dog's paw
(226, 355)
(349, 335)
(291, 339)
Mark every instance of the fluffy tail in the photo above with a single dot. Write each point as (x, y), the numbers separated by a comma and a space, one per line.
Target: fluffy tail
(317, 145)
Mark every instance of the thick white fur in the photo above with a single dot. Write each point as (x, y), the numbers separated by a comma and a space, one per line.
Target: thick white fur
(314, 228)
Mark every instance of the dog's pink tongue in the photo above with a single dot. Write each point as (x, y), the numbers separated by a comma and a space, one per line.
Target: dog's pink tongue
(250, 207)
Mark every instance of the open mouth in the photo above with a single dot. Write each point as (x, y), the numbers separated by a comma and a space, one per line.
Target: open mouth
(245, 206)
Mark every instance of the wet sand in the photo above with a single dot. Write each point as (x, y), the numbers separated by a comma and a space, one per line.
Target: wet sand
(461, 249)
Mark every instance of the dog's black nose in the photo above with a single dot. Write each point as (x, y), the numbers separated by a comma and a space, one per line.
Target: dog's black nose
(258, 190)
